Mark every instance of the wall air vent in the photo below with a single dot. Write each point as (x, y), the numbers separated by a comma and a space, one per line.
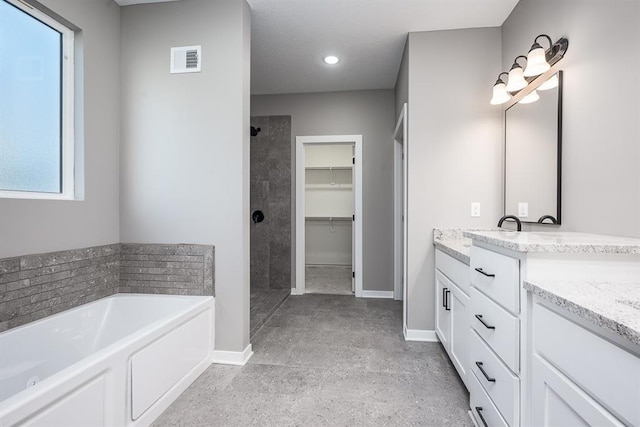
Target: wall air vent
(186, 59)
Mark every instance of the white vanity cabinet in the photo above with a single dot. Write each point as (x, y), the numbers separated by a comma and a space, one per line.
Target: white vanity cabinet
(579, 378)
(554, 329)
(495, 336)
(452, 310)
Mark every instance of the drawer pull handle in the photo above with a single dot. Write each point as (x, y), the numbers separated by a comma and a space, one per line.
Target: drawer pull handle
(480, 366)
(479, 317)
(447, 305)
(479, 412)
(481, 271)
(444, 297)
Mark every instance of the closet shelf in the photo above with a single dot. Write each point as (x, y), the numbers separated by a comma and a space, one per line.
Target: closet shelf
(328, 218)
(328, 168)
(336, 186)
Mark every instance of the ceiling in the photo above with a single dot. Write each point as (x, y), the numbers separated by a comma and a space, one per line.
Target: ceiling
(290, 38)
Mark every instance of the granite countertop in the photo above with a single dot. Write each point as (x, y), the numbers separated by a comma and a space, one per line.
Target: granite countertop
(561, 242)
(452, 242)
(611, 305)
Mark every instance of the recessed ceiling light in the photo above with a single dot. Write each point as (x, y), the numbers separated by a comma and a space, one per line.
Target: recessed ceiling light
(331, 59)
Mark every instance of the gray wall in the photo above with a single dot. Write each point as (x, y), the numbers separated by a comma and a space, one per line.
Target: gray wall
(372, 114)
(601, 113)
(35, 226)
(185, 142)
(454, 148)
(402, 82)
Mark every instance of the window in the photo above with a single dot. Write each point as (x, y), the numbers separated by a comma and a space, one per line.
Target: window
(36, 104)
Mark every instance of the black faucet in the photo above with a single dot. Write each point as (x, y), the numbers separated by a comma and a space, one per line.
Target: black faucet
(513, 217)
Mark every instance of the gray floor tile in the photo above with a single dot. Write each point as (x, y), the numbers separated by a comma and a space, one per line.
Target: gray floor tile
(326, 360)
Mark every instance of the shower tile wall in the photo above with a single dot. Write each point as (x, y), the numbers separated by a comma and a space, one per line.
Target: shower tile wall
(271, 193)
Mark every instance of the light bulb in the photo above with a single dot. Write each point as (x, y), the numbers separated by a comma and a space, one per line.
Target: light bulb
(516, 80)
(536, 61)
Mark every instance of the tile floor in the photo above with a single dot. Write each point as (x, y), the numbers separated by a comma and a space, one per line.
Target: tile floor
(263, 303)
(328, 279)
(325, 360)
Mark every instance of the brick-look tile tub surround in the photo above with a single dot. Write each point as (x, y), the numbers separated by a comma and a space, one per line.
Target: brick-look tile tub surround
(36, 286)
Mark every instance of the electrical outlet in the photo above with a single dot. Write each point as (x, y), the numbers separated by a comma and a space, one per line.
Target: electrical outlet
(475, 209)
(523, 210)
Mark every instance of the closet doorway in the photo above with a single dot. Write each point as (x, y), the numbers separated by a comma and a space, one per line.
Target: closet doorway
(329, 214)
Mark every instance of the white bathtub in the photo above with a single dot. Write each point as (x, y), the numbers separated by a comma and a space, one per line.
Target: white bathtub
(118, 361)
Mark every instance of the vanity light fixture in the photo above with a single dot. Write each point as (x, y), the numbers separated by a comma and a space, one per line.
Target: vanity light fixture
(539, 62)
(500, 94)
(532, 97)
(516, 80)
(331, 59)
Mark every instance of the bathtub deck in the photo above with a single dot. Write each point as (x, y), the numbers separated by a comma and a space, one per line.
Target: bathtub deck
(263, 304)
(329, 360)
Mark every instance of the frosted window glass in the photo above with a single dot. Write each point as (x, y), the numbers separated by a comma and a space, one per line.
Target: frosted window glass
(30, 103)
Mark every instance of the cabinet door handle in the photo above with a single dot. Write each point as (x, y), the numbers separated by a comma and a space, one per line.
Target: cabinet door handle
(481, 271)
(479, 317)
(480, 366)
(448, 306)
(479, 412)
(444, 297)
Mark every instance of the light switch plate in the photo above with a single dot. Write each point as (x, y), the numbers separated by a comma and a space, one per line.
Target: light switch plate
(523, 210)
(475, 209)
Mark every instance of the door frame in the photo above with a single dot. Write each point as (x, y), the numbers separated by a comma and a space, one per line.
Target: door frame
(400, 220)
(301, 141)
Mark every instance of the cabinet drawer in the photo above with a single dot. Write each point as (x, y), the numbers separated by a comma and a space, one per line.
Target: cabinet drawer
(499, 328)
(498, 276)
(484, 411)
(455, 270)
(603, 370)
(504, 390)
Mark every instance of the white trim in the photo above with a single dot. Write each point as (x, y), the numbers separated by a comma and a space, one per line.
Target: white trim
(239, 358)
(294, 291)
(377, 294)
(420, 335)
(67, 121)
(300, 204)
(401, 203)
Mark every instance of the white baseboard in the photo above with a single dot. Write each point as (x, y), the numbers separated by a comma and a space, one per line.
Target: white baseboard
(420, 335)
(239, 358)
(294, 291)
(377, 294)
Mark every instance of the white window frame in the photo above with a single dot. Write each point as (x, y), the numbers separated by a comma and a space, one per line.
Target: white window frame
(67, 120)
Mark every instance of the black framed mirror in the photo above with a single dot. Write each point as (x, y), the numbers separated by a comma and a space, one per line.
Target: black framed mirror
(533, 155)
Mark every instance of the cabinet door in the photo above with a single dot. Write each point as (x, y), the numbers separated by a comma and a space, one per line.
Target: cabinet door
(460, 329)
(557, 401)
(443, 309)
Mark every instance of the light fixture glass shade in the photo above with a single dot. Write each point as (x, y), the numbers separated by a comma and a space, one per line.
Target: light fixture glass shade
(500, 95)
(536, 62)
(549, 84)
(532, 97)
(516, 80)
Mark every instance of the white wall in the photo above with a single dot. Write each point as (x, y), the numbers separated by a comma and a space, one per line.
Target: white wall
(454, 148)
(35, 226)
(372, 114)
(601, 113)
(185, 152)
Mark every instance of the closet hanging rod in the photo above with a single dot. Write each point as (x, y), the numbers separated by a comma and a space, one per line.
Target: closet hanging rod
(328, 218)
